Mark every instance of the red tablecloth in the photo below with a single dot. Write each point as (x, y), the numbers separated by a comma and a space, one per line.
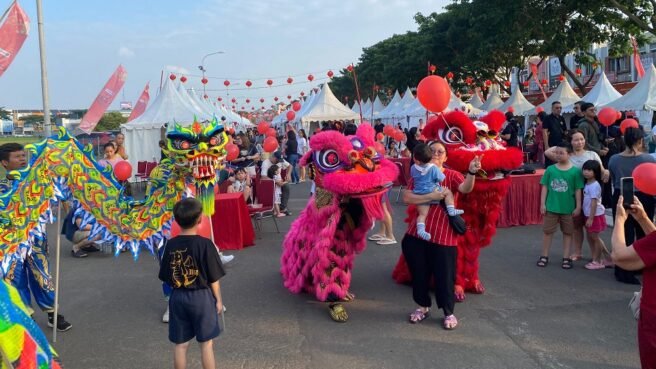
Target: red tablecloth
(231, 223)
(406, 164)
(522, 204)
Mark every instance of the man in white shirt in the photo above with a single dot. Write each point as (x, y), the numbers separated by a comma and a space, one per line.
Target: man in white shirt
(276, 158)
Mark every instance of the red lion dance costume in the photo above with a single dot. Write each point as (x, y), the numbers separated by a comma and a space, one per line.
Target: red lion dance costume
(320, 247)
(465, 139)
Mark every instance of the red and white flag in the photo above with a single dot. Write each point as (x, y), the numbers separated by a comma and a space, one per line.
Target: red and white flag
(636, 58)
(141, 103)
(13, 33)
(103, 100)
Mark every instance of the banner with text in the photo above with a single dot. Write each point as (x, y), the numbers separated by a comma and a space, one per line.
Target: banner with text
(13, 33)
(103, 100)
(141, 103)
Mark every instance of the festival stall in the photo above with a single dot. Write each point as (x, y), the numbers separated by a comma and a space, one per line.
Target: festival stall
(406, 102)
(564, 93)
(493, 100)
(325, 107)
(374, 113)
(517, 103)
(601, 94)
(387, 113)
(641, 98)
(476, 101)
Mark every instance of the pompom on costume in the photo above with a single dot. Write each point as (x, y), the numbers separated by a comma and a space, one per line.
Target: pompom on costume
(465, 139)
(319, 250)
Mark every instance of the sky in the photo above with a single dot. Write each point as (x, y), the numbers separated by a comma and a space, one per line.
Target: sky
(261, 39)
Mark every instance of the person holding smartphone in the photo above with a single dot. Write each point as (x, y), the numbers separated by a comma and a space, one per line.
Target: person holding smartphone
(621, 166)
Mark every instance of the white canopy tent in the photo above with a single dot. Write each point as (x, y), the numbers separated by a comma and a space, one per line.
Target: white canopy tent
(408, 100)
(564, 93)
(601, 94)
(476, 101)
(493, 101)
(325, 106)
(366, 107)
(376, 108)
(641, 97)
(386, 114)
(456, 104)
(518, 102)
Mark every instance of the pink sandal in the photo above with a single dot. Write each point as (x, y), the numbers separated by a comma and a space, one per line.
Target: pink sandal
(418, 316)
(450, 322)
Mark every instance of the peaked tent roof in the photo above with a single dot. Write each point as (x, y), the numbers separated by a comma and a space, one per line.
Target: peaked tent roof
(601, 94)
(393, 104)
(493, 101)
(476, 101)
(641, 97)
(456, 104)
(376, 108)
(518, 102)
(563, 93)
(326, 107)
(366, 107)
(404, 104)
(202, 113)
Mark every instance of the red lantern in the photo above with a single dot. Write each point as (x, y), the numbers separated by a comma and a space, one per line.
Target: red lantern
(242, 108)
(449, 75)
(578, 71)
(330, 74)
(269, 82)
(544, 82)
(249, 83)
(310, 78)
(220, 99)
(261, 100)
(252, 108)
(290, 80)
(205, 96)
(248, 101)
(302, 94)
(607, 116)
(628, 123)
(539, 109)
(526, 83)
(123, 170)
(290, 115)
(172, 77)
(432, 68)
(644, 177)
(232, 151)
(561, 78)
(270, 144)
(434, 93)
(506, 83)
(203, 81)
(289, 97)
(511, 109)
(262, 127)
(183, 79)
(233, 100)
(469, 80)
(275, 98)
(271, 132)
(296, 106)
(350, 68)
(488, 83)
(226, 83)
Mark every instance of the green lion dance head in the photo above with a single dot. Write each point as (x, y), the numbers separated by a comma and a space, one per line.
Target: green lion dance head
(199, 152)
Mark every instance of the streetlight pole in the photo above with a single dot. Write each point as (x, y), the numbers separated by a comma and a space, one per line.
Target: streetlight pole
(44, 72)
(202, 65)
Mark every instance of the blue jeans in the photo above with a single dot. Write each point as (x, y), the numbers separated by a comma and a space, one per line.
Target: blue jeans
(31, 275)
(293, 160)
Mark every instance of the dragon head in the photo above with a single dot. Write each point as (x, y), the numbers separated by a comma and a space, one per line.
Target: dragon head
(350, 166)
(466, 139)
(199, 152)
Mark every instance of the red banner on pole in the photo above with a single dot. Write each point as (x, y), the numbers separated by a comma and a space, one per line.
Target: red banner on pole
(636, 58)
(13, 33)
(103, 100)
(140, 107)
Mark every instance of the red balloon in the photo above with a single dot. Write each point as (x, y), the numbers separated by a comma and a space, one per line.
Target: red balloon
(619, 115)
(203, 229)
(380, 148)
(271, 132)
(296, 106)
(644, 178)
(123, 170)
(270, 144)
(262, 127)
(607, 116)
(380, 136)
(434, 93)
(290, 115)
(539, 109)
(628, 123)
(232, 151)
(388, 130)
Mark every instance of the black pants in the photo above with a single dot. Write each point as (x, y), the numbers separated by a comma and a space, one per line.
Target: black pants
(428, 261)
(284, 196)
(632, 230)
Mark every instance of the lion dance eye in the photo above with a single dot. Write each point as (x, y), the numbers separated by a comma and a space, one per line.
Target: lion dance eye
(215, 141)
(328, 160)
(451, 135)
(182, 145)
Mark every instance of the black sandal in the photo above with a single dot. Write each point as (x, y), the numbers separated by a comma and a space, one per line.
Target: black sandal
(567, 263)
(543, 261)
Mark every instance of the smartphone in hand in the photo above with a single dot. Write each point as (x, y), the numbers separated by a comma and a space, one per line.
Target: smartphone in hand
(626, 187)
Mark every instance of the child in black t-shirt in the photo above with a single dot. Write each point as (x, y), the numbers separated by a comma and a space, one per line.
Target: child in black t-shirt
(192, 267)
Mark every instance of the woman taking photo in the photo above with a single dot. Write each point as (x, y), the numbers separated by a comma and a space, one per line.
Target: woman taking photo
(248, 155)
(622, 165)
(291, 153)
(639, 255)
(435, 259)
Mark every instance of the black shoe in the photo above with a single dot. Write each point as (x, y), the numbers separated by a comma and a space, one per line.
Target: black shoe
(287, 212)
(91, 248)
(62, 324)
(79, 254)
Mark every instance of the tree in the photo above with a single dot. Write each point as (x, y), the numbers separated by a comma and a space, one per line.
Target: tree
(4, 114)
(110, 122)
(642, 13)
(32, 119)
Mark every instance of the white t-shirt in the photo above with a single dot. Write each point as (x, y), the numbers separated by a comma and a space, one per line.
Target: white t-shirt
(592, 191)
(266, 164)
(302, 145)
(578, 160)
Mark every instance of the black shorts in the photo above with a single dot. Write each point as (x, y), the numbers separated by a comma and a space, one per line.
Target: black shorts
(192, 313)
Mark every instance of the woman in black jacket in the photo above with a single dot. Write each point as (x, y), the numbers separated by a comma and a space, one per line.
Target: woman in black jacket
(291, 152)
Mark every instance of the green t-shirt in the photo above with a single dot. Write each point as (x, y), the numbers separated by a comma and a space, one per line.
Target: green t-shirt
(561, 188)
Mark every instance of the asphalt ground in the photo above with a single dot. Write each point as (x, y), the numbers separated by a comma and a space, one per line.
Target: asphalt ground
(529, 317)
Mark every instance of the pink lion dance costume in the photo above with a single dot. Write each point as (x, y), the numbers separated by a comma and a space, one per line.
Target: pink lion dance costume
(320, 247)
(465, 139)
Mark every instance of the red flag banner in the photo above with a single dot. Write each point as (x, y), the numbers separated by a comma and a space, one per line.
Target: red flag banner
(103, 100)
(636, 58)
(141, 103)
(534, 71)
(13, 33)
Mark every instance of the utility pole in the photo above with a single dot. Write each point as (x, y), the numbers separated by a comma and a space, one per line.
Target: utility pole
(44, 73)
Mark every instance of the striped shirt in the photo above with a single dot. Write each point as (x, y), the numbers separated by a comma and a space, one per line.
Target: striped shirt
(437, 220)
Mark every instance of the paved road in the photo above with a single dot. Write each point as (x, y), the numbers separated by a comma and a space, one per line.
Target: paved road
(528, 318)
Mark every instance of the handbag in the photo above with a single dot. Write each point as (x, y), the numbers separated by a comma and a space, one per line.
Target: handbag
(634, 304)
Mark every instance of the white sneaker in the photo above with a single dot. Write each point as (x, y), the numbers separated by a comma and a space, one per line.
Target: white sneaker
(225, 259)
(165, 317)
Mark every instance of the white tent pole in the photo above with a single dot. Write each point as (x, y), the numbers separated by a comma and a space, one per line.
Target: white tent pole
(54, 325)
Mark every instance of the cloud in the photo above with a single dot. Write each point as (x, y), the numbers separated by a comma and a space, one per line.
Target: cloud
(176, 69)
(125, 52)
